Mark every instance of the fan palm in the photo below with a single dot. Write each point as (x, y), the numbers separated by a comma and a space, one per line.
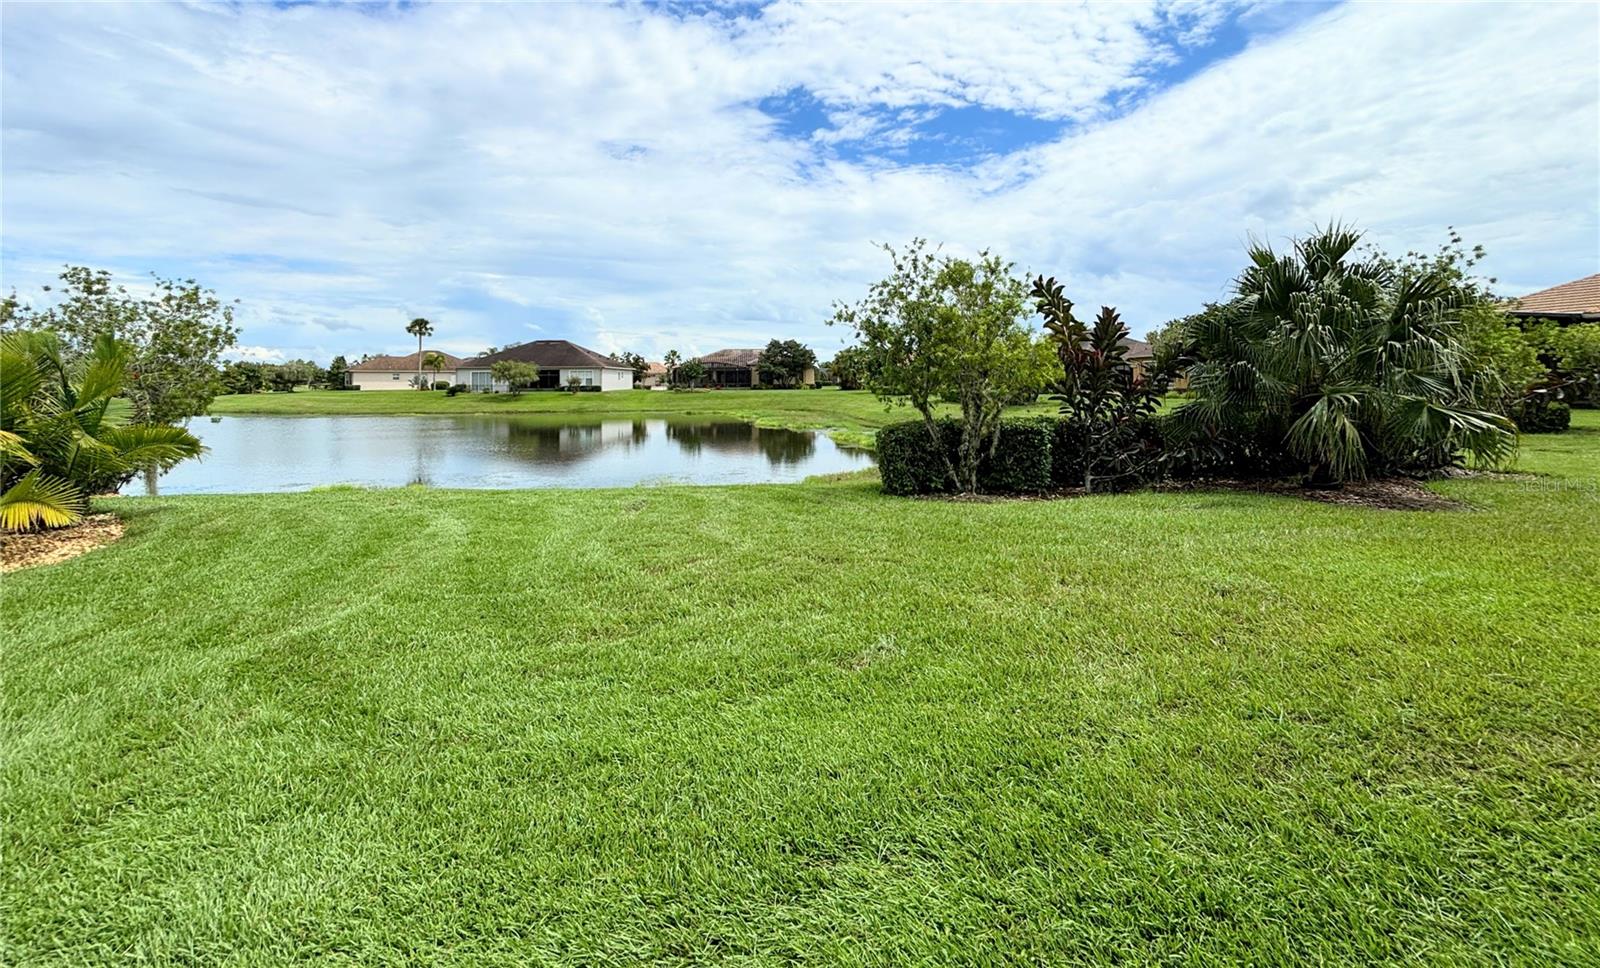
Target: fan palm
(1348, 365)
(419, 328)
(57, 443)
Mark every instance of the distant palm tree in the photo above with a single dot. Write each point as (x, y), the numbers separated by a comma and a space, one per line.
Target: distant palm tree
(419, 328)
(434, 360)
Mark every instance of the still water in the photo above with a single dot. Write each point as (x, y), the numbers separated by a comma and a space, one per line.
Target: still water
(251, 454)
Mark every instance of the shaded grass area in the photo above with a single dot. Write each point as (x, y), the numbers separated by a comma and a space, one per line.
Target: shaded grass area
(850, 417)
(812, 724)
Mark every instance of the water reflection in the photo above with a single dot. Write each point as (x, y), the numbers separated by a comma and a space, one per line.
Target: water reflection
(248, 454)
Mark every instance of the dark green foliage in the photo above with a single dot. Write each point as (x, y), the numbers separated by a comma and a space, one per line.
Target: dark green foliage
(851, 368)
(336, 372)
(243, 377)
(1022, 460)
(1107, 404)
(454, 389)
(908, 461)
(1020, 463)
(688, 374)
(784, 362)
(1354, 366)
(1541, 416)
(441, 384)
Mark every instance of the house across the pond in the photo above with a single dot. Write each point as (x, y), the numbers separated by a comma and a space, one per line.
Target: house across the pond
(561, 364)
(739, 368)
(400, 372)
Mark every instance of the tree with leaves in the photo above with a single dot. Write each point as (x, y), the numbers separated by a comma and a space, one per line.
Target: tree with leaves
(671, 361)
(337, 369)
(638, 364)
(939, 327)
(174, 337)
(689, 373)
(419, 328)
(784, 362)
(851, 368)
(515, 374)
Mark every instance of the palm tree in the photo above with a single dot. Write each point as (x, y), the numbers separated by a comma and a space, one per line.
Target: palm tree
(434, 361)
(1349, 365)
(419, 328)
(57, 444)
(670, 361)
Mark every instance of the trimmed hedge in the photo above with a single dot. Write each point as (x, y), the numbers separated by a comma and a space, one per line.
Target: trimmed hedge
(1542, 417)
(1021, 463)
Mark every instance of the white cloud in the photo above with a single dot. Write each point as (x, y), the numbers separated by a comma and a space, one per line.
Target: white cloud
(256, 354)
(601, 172)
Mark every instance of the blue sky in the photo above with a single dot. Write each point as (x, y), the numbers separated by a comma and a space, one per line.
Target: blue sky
(693, 177)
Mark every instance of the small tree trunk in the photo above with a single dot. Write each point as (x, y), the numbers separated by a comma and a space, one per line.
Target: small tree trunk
(150, 475)
(938, 446)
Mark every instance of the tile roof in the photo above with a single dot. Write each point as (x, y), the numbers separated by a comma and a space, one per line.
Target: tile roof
(553, 353)
(1137, 349)
(732, 357)
(1580, 297)
(389, 364)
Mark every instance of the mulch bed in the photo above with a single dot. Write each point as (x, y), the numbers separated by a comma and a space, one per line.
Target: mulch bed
(1388, 494)
(32, 548)
(1385, 494)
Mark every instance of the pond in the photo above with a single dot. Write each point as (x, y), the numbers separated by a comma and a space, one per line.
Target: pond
(258, 453)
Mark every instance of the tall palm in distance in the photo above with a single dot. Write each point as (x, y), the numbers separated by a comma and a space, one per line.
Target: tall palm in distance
(419, 328)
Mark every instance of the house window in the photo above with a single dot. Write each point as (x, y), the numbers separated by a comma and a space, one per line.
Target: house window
(394, 376)
(480, 379)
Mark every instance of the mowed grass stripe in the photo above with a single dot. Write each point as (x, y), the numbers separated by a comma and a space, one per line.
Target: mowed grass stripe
(812, 724)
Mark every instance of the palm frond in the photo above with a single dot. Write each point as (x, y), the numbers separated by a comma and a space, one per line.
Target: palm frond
(40, 501)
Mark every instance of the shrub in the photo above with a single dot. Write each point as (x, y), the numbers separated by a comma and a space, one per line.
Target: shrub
(1022, 461)
(1539, 416)
(1020, 464)
(908, 463)
(1350, 365)
(453, 389)
(441, 384)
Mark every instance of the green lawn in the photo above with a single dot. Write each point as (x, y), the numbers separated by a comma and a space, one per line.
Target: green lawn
(812, 724)
(851, 417)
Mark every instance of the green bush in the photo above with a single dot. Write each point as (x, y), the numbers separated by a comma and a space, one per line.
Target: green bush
(1021, 463)
(441, 384)
(451, 390)
(908, 462)
(1537, 416)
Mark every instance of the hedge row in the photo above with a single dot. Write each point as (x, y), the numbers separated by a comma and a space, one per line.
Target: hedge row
(1023, 462)
(1542, 417)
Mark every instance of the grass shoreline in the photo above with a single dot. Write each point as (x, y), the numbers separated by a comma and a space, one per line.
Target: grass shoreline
(849, 417)
(770, 724)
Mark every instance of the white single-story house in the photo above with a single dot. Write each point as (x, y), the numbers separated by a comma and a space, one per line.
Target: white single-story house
(399, 372)
(561, 364)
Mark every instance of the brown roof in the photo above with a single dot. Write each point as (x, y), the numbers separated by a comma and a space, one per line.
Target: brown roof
(656, 369)
(388, 364)
(732, 357)
(554, 353)
(1580, 297)
(1137, 349)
